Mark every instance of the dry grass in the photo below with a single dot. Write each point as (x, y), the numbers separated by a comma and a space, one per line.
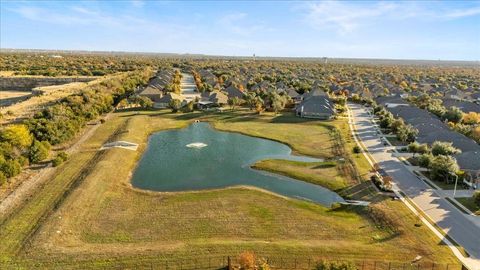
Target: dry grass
(105, 219)
(29, 107)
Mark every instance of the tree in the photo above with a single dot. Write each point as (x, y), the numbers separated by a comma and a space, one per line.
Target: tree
(17, 135)
(38, 151)
(247, 260)
(424, 160)
(145, 102)
(278, 102)
(444, 148)
(250, 100)
(259, 104)
(397, 124)
(454, 115)
(11, 167)
(233, 102)
(442, 167)
(189, 107)
(407, 133)
(475, 134)
(175, 105)
(471, 118)
(476, 197)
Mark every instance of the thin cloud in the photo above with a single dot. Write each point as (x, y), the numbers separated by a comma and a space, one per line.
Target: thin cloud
(345, 17)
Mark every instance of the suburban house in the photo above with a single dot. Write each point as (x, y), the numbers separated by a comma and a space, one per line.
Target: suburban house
(431, 129)
(233, 91)
(154, 94)
(211, 99)
(165, 100)
(315, 106)
(294, 95)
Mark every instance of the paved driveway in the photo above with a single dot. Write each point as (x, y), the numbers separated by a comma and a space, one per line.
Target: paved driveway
(457, 225)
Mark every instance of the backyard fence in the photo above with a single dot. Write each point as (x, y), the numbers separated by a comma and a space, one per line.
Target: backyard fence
(227, 263)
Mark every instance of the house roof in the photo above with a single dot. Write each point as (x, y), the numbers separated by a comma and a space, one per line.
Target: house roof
(233, 91)
(315, 104)
(465, 106)
(168, 97)
(149, 90)
(469, 160)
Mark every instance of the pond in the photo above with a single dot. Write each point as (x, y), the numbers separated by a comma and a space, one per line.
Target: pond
(216, 159)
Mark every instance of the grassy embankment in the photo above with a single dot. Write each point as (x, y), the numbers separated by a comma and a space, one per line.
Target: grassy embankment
(105, 221)
(470, 204)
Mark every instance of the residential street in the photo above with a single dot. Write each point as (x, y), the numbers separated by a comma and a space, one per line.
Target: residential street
(457, 225)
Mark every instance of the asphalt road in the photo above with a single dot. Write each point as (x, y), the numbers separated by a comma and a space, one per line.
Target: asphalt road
(453, 222)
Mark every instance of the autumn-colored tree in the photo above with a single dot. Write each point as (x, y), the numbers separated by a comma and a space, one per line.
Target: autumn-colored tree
(247, 260)
(471, 118)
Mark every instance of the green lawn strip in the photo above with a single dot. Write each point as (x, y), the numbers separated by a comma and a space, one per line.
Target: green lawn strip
(324, 174)
(470, 204)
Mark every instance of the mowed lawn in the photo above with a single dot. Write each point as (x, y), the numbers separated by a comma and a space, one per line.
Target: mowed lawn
(105, 220)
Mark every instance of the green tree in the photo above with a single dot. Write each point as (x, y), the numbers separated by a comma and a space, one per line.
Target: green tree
(444, 148)
(11, 167)
(233, 102)
(175, 105)
(424, 160)
(39, 151)
(250, 99)
(189, 107)
(476, 197)
(278, 102)
(407, 133)
(454, 115)
(442, 167)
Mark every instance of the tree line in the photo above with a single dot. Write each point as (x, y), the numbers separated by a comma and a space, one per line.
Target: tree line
(31, 141)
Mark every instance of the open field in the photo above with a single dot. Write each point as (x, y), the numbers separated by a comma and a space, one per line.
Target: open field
(89, 214)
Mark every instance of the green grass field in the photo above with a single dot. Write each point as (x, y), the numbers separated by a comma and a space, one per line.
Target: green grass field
(89, 215)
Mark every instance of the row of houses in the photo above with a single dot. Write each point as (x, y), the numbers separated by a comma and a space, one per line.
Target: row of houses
(431, 128)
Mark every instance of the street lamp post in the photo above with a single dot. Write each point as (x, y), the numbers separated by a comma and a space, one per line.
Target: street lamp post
(455, 188)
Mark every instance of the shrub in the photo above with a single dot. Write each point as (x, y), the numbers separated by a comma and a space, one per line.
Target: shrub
(324, 265)
(39, 151)
(247, 260)
(63, 156)
(23, 161)
(444, 148)
(11, 167)
(57, 161)
(476, 197)
(3, 179)
(357, 149)
(424, 160)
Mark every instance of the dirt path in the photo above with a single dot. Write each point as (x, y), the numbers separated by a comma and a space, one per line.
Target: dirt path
(23, 191)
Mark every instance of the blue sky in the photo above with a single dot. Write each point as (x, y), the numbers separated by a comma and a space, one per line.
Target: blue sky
(359, 29)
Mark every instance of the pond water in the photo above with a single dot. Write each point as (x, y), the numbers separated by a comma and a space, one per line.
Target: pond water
(217, 160)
